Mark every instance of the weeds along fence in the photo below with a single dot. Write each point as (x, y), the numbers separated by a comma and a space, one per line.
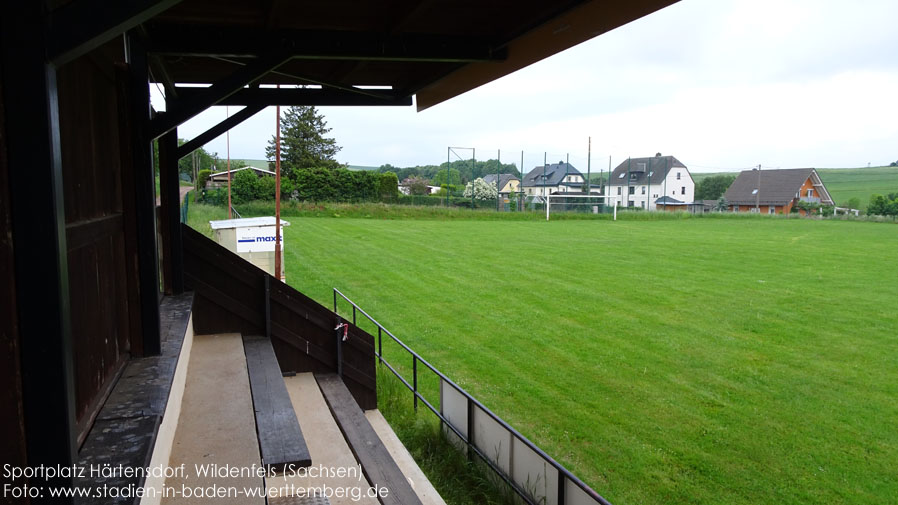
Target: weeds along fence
(533, 475)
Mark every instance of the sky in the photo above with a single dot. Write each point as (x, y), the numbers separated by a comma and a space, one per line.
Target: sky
(723, 85)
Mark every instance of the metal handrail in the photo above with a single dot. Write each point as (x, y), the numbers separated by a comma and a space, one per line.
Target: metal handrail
(562, 471)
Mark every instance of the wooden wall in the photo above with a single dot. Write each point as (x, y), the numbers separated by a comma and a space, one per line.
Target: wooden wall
(93, 195)
(230, 298)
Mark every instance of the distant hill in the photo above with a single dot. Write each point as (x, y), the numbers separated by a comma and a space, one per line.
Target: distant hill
(263, 164)
(846, 183)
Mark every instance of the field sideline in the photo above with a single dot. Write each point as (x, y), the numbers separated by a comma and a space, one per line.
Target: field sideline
(691, 361)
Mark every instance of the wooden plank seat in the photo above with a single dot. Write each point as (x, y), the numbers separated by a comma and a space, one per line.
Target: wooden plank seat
(281, 442)
(374, 458)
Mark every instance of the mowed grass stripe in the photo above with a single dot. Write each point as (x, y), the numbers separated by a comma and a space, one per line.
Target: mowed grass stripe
(692, 361)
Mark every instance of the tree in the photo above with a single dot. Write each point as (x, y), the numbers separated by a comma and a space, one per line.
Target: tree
(440, 177)
(883, 205)
(416, 186)
(303, 142)
(721, 204)
(712, 188)
(481, 190)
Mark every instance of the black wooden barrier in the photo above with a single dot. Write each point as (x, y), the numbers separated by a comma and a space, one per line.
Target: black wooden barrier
(234, 296)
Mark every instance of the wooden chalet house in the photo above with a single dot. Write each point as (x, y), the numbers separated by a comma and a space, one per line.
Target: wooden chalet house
(775, 191)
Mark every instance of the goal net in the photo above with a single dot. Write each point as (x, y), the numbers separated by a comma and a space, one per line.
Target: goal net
(588, 204)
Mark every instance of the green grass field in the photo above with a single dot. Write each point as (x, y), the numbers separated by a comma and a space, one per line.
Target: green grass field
(724, 361)
(846, 183)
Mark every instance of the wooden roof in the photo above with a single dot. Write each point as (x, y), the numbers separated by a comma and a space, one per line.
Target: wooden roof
(434, 49)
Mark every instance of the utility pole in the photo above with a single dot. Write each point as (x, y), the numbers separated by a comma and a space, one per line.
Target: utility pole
(627, 196)
(567, 168)
(228, 142)
(448, 150)
(498, 169)
(758, 194)
(588, 167)
(277, 194)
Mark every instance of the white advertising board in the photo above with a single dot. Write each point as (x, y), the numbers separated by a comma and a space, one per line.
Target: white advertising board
(257, 239)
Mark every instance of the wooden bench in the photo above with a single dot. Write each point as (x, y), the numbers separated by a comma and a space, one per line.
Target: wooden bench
(280, 437)
(377, 464)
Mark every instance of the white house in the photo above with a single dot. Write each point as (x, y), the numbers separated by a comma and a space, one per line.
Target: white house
(639, 182)
(552, 179)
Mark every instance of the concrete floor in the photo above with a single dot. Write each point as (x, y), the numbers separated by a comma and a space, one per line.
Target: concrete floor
(217, 424)
(422, 486)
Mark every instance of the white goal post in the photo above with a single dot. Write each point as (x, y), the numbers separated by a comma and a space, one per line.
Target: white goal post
(582, 203)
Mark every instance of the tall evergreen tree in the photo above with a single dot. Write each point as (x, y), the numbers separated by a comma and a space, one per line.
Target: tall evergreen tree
(303, 141)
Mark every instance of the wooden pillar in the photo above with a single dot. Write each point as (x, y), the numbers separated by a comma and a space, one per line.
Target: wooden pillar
(144, 217)
(169, 187)
(39, 240)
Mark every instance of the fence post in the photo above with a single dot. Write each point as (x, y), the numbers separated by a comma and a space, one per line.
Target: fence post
(380, 349)
(470, 431)
(415, 380)
(353, 314)
(560, 487)
(339, 336)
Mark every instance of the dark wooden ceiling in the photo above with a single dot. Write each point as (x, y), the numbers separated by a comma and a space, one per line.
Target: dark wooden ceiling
(435, 49)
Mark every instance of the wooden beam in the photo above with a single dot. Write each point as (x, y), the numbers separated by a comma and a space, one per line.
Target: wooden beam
(210, 134)
(320, 45)
(81, 26)
(280, 438)
(369, 450)
(264, 97)
(207, 97)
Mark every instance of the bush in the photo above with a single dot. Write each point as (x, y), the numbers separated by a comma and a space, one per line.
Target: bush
(201, 178)
(266, 188)
(245, 187)
(388, 185)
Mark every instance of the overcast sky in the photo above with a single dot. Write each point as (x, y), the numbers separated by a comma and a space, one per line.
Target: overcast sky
(720, 84)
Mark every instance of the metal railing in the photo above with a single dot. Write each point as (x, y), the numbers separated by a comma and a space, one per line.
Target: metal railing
(468, 437)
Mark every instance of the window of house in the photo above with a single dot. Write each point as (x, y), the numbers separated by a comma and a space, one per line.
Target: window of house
(683, 190)
(633, 176)
(621, 176)
(654, 196)
(756, 209)
(643, 190)
(632, 190)
(771, 210)
(754, 191)
(630, 203)
(810, 193)
(678, 176)
(642, 204)
(618, 190)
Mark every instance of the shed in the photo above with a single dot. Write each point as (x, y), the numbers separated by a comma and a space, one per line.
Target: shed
(251, 238)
